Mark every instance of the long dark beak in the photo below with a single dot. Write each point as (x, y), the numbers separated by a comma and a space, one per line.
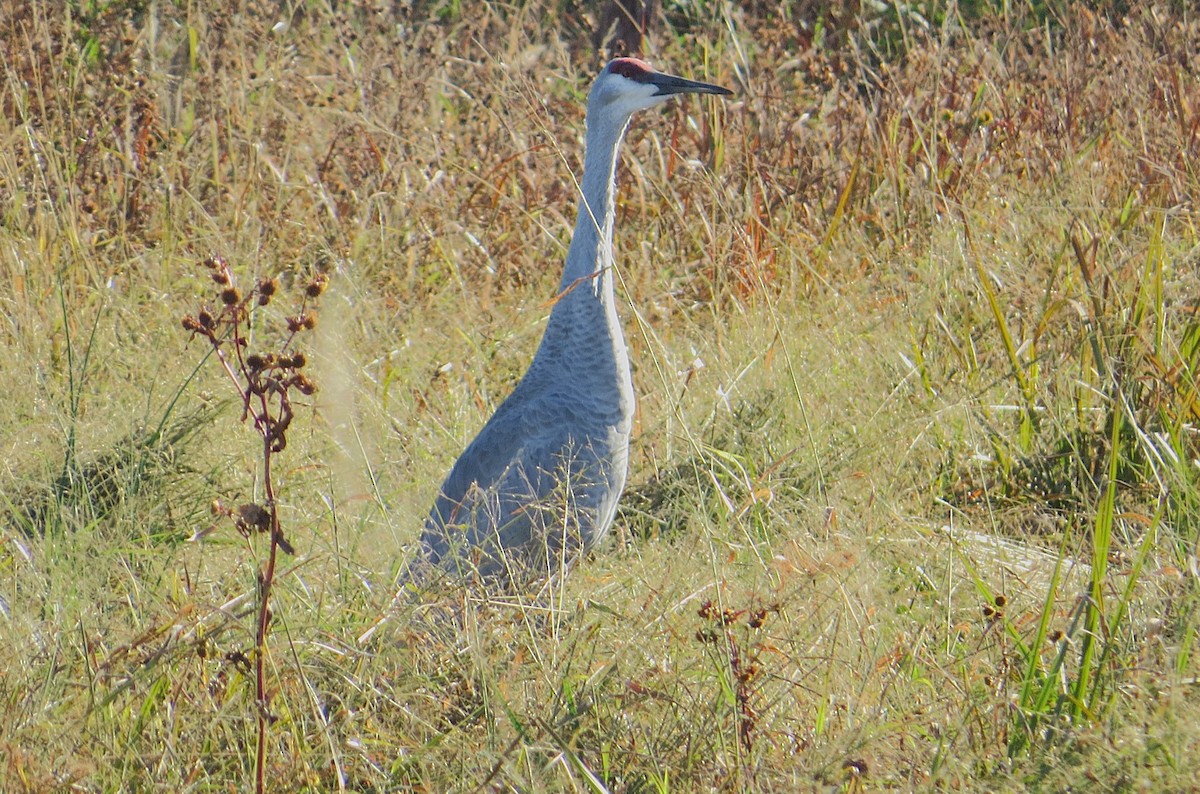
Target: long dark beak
(670, 84)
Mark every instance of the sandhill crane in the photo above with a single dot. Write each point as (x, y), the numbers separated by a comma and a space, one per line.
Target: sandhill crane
(540, 482)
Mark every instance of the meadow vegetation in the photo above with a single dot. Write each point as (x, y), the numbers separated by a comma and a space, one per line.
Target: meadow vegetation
(914, 496)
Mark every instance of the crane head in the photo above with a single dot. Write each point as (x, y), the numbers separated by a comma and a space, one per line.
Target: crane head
(628, 85)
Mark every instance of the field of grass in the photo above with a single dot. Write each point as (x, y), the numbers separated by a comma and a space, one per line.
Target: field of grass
(914, 496)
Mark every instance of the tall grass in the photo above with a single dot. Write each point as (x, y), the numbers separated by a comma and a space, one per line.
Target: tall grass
(915, 334)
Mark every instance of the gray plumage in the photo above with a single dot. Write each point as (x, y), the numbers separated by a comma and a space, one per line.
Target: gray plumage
(540, 483)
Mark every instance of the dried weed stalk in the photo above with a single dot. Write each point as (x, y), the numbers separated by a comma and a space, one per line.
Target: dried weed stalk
(741, 648)
(266, 383)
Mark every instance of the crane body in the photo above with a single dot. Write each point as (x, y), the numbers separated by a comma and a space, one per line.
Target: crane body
(540, 483)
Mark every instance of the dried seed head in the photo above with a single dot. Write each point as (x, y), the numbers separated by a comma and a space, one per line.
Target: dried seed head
(748, 673)
(298, 361)
(304, 385)
(855, 767)
(206, 319)
(256, 362)
(239, 660)
(302, 321)
(221, 277)
(230, 296)
(266, 288)
(254, 516)
(316, 286)
(190, 323)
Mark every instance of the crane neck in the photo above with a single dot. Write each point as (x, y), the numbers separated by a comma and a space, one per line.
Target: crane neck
(590, 256)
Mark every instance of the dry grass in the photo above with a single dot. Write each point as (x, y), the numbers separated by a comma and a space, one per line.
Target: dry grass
(914, 320)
